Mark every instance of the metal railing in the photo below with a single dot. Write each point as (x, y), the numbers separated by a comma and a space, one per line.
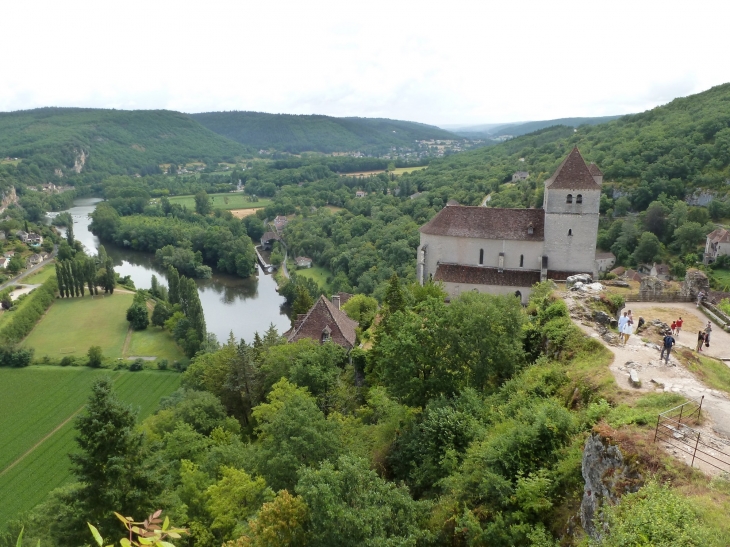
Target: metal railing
(672, 428)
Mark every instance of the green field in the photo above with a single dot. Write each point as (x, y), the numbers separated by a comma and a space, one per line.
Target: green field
(154, 341)
(723, 278)
(37, 405)
(72, 325)
(318, 273)
(237, 200)
(38, 277)
(401, 170)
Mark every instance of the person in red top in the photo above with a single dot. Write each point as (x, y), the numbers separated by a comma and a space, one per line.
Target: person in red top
(679, 326)
(674, 327)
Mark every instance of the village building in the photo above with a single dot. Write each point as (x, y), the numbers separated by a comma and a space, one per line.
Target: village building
(718, 244)
(605, 261)
(4, 262)
(303, 262)
(22, 235)
(325, 322)
(507, 251)
(280, 223)
(520, 175)
(360, 194)
(268, 240)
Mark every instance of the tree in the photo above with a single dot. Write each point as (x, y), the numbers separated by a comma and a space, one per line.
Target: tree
(95, 356)
(173, 279)
(688, 236)
(70, 234)
(202, 203)
(361, 308)
(137, 313)
(303, 301)
(154, 287)
(394, 299)
(621, 207)
(160, 314)
(15, 265)
(109, 468)
(110, 278)
(648, 248)
(279, 523)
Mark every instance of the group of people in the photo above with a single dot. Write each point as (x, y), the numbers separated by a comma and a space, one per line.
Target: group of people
(703, 337)
(625, 326)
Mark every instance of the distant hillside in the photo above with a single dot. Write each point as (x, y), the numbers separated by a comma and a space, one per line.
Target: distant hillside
(487, 131)
(292, 133)
(672, 149)
(108, 141)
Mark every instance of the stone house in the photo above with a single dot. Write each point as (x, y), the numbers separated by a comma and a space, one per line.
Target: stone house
(280, 223)
(507, 251)
(4, 262)
(605, 261)
(268, 240)
(325, 322)
(520, 175)
(303, 262)
(718, 244)
(360, 194)
(22, 236)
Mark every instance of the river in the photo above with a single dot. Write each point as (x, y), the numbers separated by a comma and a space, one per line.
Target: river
(230, 303)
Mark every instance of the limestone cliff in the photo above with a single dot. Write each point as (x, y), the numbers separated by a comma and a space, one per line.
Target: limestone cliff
(608, 475)
(8, 198)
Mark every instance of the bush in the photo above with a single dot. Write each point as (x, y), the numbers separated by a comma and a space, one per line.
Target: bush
(138, 316)
(68, 361)
(95, 356)
(24, 320)
(162, 364)
(137, 365)
(11, 357)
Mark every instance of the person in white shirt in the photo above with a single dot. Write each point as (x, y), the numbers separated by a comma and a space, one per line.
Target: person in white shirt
(622, 322)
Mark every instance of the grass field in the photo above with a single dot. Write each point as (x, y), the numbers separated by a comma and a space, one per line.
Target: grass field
(318, 273)
(72, 325)
(40, 276)
(236, 200)
(401, 170)
(37, 407)
(722, 277)
(154, 341)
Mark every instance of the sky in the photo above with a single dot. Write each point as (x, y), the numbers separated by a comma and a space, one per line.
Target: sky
(452, 62)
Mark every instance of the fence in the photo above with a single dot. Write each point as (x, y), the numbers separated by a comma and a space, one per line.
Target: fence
(672, 428)
(652, 297)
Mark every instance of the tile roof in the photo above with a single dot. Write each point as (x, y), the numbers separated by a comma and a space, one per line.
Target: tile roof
(719, 236)
(487, 223)
(572, 174)
(600, 255)
(619, 271)
(594, 170)
(480, 275)
(344, 297)
(268, 236)
(324, 315)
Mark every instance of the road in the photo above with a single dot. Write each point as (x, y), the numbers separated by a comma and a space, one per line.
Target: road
(283, 263)
(30, 270)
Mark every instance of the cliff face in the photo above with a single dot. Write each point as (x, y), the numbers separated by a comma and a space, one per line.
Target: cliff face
(8, 198)
(608, 476)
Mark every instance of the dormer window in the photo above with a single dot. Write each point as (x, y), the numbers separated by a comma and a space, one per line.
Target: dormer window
(326, 334)
(579, 198)
(530, 230)
(569, 198)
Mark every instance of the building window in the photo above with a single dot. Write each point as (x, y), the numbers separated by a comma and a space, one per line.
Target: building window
(522, 260)
(501, 262)
(570, 231)
(530, 229)
(481, 257)
(326, 334)
(579, 198)
(569, 199)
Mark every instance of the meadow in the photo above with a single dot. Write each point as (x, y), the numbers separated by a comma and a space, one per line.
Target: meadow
(317, 273)
(237, 200)
(39, 276)
(72, 325)
(37, 407)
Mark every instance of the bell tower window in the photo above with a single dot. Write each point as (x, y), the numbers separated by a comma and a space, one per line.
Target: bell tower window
(522, 260)
(481, 257)
(579, 198)
(569, 199)
(570, 231)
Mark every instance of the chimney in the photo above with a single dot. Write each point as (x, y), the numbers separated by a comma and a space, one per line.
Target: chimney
(336, 300)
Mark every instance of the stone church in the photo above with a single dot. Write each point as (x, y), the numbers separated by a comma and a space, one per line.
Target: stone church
(507, 251)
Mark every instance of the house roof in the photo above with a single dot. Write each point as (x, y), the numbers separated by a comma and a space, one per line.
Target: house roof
(594, 170)
(633, 275)
(618, 271)
(572, 174)
(321, 316)
(603, 256)
(479, 275)
(487, 223)
(662, 269)
(269, 236)
(302, 259)
(344, 297)
(719, 236)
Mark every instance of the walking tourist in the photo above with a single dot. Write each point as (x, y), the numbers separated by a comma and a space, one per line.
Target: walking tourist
(667, 347)
(700, 341)
(708, 330)
(673, 327)
(679, 327)
(622, 321)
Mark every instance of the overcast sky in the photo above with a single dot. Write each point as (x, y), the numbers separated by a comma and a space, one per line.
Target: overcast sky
(445, 62)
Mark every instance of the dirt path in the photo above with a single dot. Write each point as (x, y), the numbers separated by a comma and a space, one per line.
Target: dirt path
(44, 439)
(127, 341)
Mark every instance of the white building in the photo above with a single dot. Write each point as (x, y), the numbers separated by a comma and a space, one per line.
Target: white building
(605, 261)
(718, 243)
(507, 251)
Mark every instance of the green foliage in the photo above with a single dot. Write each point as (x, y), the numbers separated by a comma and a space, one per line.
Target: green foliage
(303, 301)
(655, 515)
(234, 499)
(184, 261)
(95, 356)
(361, 308)
(23, 320)
(138, 315)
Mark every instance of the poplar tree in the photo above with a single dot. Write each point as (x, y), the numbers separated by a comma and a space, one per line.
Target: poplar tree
(60, 279)
(70, 234)
(110, 280)
(173, 280)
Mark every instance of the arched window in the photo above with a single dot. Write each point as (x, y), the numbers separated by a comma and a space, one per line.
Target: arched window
(570, 231)
(579, 198)
(522, 260)
(481, 257)
(569, 198)
(530, 229)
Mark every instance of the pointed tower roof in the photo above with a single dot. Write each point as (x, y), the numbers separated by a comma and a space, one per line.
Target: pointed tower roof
(572, 174)
(323, 317)
(595, 171)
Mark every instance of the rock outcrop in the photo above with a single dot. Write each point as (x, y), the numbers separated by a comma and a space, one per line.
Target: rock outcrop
(8, 198)
(694, 282)
(578, 278)
(608, 476)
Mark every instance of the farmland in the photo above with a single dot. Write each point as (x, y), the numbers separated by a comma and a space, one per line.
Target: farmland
(237, 200)
(37, 407)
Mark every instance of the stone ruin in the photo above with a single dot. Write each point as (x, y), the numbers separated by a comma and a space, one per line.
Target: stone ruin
(651, 287)
(694, 282)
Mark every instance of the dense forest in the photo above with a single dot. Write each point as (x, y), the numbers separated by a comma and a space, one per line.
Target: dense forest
(457, 428)
(517, 129)
(327, 134)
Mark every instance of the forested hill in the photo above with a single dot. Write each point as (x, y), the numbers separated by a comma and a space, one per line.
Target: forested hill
(517, 129)
(672, 149)
(108, 141)
(294, 133)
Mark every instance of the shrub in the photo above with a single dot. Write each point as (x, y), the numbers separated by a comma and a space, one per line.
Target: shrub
(138, 364)
(25, 319)
(162, 364)
(12, 357)
(95, 356)
(67, 361)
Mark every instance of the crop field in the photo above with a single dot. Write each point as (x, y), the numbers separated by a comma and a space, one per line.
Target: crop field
(38, 277)
(237, 200)
(72, 325)
(37, 407)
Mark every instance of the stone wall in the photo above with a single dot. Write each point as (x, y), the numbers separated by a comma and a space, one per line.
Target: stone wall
(694, 282)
